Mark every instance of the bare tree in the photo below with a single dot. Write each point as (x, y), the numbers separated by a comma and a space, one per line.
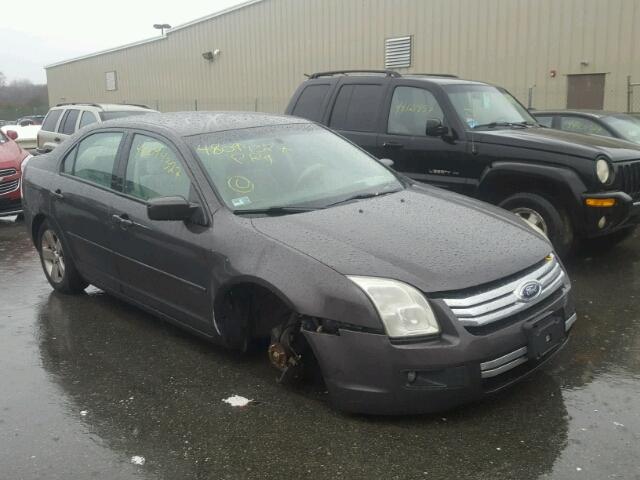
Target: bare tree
(3, 80)
(21, 97)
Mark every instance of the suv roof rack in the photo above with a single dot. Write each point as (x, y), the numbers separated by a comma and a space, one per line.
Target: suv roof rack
(446, 75)
(77, 103)
(387, 73)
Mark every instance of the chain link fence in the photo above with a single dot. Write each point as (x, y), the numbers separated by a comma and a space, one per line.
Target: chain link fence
(633, 96)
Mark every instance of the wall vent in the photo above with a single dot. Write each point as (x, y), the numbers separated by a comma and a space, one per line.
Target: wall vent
(397, 52)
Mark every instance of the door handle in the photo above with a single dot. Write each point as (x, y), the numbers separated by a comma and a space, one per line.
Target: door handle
(123, 220)
(392, 145)
(57, 139)
(57, 194)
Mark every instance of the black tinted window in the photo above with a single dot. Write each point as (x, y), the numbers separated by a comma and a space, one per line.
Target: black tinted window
(50, 122)
(356, 108)
(69, 124)
(309, 104)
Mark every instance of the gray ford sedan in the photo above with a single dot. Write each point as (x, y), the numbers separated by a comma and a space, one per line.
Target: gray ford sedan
(246, 227)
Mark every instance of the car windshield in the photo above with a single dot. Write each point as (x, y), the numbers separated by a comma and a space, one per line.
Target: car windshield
(299, 166)
(484, 106)
(119, 114)
(626, 125)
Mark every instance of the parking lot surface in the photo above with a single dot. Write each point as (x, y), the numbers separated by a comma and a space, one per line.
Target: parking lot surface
(88, 384)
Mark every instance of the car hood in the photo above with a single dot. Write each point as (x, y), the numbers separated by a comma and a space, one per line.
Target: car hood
(429, 238)
(557, 141)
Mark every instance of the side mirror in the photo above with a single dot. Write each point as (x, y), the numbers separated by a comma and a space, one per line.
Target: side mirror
(170, 208)
(387, 162)
(435, 128)
(12, 134)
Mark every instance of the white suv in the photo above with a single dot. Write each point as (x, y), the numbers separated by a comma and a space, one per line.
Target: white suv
(66, 118)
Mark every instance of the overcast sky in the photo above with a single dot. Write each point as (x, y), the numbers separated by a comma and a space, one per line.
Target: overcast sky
(34, 33)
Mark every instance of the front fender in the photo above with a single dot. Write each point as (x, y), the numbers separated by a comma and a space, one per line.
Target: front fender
(565, 181)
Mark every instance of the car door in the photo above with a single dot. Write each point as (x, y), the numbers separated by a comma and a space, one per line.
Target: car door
(165, 265)
(81, 204)
(49, 131)
(436, 159)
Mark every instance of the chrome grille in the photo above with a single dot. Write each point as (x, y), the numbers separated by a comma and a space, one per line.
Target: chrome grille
(501, 302)
(8, 187)
(7, 172)
(630, 178)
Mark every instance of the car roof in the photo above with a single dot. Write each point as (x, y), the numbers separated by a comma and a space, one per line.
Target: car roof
(443, 80)
(196, 123)
(578, 111)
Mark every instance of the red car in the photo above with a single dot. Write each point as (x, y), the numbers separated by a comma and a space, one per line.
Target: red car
(12, 161)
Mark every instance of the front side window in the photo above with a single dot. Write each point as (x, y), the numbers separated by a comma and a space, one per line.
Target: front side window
(51, 120)
(154, 170)
(286, 165)
(95, 158)
(582, 125)
(485, 106)
(410, 109)
(356, 108)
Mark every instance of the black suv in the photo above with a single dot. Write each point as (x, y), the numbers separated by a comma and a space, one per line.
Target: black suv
(477, 139)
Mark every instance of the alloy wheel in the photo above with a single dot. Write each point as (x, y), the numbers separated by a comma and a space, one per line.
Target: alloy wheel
(52, 256)
(533, 218)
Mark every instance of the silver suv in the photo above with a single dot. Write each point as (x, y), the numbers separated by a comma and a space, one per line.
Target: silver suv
(66, 118)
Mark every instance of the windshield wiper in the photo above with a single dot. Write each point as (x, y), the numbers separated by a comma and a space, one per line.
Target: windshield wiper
(504, 124)
(361, 196)
(276, 210)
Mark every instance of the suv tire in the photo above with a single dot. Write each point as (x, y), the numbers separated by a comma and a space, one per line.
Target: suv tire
(538, 210)
(58, 266)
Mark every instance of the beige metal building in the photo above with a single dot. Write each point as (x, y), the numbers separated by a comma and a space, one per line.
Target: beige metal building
(577, 53)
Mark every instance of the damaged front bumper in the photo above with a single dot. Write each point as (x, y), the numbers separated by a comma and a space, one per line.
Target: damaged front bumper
(368, 373)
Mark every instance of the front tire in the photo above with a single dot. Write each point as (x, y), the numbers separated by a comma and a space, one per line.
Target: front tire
(58, 266)
(540, 212)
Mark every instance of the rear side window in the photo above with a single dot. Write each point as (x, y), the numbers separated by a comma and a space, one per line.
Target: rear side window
(356, 108)
(410, 109)
(547, 121)
(95, 158)
(69, 122)
(87, 119)
(582, 125)
(51, 121)
(309, 104)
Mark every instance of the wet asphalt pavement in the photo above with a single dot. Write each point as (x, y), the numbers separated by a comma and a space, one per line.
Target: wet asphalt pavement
(88, 382)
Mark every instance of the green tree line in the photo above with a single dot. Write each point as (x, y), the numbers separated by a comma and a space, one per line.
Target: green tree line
(21, 97)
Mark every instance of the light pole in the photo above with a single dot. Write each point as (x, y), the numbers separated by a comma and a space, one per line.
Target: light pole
(162, 27)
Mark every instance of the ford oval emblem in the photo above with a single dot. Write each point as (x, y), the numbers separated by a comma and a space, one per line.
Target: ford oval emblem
(529, 290)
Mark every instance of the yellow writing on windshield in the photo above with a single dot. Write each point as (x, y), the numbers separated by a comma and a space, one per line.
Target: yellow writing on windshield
(244, 153)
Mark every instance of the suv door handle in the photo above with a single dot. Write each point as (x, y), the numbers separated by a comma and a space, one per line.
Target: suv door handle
(392, 145)
(123, 220)
(57, 194)
(57, 139)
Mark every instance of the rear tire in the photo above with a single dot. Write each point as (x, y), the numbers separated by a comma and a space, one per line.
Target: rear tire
(58, 266)
(541, 212)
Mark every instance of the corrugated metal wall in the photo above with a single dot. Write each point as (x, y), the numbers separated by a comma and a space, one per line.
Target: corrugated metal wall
(267, 46)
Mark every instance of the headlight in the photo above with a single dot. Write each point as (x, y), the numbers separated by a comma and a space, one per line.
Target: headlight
(403, 310)
(604, 172)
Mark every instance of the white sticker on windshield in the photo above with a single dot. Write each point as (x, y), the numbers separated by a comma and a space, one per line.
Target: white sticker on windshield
(239, 202)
